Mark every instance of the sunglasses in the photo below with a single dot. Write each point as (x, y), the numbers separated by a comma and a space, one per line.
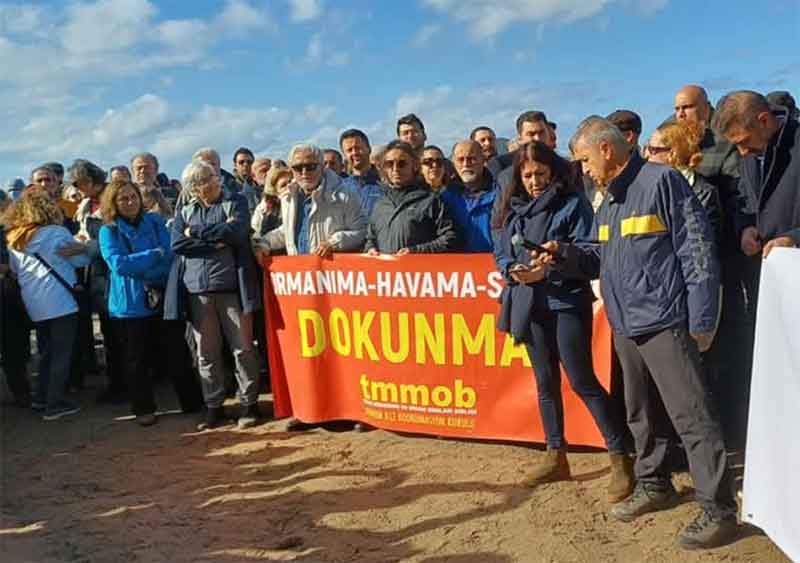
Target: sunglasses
(657, 150)
(399, 164)
(308, 167)
(432, 161)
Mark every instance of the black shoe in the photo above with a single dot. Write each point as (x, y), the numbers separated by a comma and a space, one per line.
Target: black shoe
(707, 532)
(645, 498)
(215, 417)
(297, 425)
(249, 417)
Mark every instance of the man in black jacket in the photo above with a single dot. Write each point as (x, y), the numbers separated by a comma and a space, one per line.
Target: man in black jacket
(731, 357)
(408, 218)
(531, 126)
(769, 212)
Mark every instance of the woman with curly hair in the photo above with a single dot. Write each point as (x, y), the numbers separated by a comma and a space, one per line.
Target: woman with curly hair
(49, 286)
(677, 144)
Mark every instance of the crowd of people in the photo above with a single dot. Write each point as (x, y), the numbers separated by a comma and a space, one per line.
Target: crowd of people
(673, 230)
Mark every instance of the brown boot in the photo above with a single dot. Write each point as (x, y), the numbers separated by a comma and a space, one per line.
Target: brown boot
(554, 467)
(622, 481)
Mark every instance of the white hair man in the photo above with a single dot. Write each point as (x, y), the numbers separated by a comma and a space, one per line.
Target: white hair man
(320, 214)
(211, 233)
(660, 282)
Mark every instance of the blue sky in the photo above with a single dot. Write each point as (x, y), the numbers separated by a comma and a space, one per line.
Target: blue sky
(103, 79)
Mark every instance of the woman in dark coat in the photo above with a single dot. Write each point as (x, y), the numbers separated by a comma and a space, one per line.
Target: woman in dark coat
(552, 315)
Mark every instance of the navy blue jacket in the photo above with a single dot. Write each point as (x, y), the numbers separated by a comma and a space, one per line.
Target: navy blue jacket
(771, 202)
(653, 248)
(217, 257)
(473, 215)
(551, 216)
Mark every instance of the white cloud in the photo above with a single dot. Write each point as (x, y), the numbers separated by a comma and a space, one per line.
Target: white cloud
(486, 19)
(106, 25)
(22, 19)
(424, 34)
(304, 10)
(450, 114)
(239, 16)
(318, 114)
(318, 53)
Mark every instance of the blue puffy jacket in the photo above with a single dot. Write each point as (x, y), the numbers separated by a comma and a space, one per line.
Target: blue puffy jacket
(473, 215)
(653, 248)
(136, 255)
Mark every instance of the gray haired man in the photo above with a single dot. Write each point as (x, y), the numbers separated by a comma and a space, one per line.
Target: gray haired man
(659, 275)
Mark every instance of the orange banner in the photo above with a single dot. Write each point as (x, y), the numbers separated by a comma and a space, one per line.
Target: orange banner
(408, 344)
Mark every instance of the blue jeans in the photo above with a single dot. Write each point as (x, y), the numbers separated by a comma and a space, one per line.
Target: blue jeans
(55, 339)
(566, 336)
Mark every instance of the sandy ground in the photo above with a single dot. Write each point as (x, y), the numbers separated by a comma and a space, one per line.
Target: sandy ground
(97, 488)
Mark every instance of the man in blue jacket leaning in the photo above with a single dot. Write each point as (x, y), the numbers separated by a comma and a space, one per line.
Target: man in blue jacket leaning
(653, 249)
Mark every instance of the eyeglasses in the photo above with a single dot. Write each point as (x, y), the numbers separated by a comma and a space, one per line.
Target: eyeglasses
(657, 150)
(306, 167)
(432, 161)
(399, 164)
(127, 198)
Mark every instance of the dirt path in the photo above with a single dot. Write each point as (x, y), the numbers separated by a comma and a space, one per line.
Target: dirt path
(98, 489)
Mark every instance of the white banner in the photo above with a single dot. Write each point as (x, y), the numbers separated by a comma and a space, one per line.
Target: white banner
(771, 491)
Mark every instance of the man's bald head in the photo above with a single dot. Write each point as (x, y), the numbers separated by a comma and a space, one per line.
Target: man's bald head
(692, 105)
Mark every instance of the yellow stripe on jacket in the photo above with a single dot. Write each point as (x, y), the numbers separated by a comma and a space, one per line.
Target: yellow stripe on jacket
(642, 225)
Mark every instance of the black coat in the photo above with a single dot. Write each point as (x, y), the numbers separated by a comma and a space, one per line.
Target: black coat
(771, 202)
(413, 218)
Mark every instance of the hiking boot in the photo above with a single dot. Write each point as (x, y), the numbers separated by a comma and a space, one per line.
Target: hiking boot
(60, 410)
(249, 417)
(645, 498)
(146, 419)
(554, 467)
(707, 531)
(215, 416)
(622, 481)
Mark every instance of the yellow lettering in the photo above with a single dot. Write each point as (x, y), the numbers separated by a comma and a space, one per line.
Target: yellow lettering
(414, 395)
(384, 392)
(484, 338)
(361, 338)
(304, 317)
(403, 341)
(339, 329)
(430, 339)
(442, 396)
(465, 396)
(513, 352)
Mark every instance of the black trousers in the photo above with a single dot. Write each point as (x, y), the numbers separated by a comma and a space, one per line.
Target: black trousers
(666, 364)
(153, 344)
(731, 357)
(565, 337)
(16, 344)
